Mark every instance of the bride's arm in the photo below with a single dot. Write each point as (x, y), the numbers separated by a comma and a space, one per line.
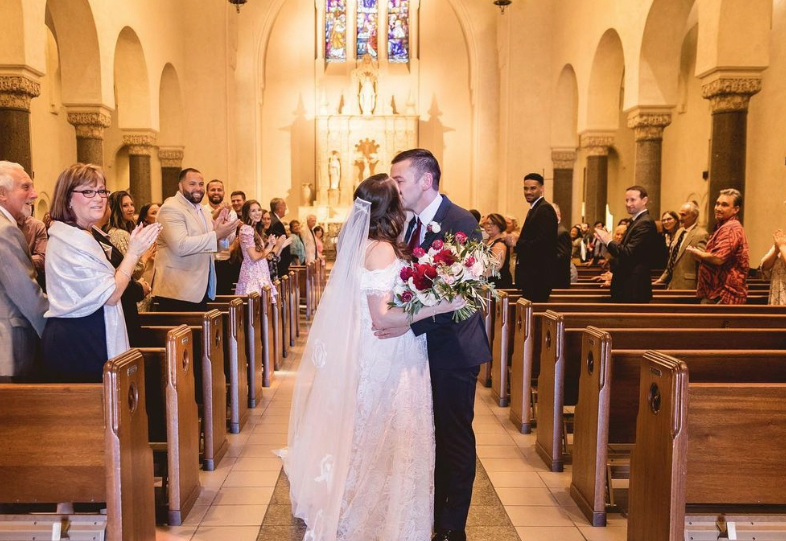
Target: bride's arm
(381, 256)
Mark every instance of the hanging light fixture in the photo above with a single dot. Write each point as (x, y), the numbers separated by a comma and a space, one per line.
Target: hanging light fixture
(240, 3)
(501, 4)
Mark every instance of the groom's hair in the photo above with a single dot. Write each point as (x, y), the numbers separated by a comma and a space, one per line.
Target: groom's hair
(422, 160)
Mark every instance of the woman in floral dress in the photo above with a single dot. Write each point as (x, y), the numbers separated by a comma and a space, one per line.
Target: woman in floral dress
(255, 248)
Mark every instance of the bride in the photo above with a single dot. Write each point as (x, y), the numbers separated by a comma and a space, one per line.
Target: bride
(360, 459)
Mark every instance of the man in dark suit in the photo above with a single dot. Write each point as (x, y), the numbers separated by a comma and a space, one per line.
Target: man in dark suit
(564, 250)
(455, 350)
(631, 281)
(536, 248)
(278, 209)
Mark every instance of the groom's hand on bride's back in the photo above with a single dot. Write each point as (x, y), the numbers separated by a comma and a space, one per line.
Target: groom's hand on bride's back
(391, 332)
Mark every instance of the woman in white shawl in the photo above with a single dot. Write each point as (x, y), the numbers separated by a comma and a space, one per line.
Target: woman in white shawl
(85, 325)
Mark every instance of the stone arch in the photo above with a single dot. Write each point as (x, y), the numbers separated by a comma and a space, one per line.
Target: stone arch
(608, 68)
(132, 87)
(564, 117)
(74, 28)
(170, 108)
(660, 55)
(12, 33)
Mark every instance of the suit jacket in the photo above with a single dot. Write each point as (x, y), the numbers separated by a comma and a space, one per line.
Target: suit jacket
(454, 346)
(536, 252)
(184, 259)
(133, 294)
(634, 255)
(685, 272)
(22, 303)
(277, 228)
(564, 249)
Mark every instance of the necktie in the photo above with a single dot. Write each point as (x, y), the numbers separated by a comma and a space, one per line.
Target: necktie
(414, 238)
(675, 248)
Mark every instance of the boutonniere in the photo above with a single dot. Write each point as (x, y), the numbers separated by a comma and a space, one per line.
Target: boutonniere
(433, 227)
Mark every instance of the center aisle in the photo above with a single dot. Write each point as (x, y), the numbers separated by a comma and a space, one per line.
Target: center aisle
(236, 497)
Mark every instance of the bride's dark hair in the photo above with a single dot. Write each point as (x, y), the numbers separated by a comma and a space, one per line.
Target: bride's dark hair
(387, 212)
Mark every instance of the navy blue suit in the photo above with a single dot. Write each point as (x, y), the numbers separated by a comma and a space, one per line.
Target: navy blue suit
(455, 353)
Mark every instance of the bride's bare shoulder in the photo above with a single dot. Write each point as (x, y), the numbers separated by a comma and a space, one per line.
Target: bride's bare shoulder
(379, 255)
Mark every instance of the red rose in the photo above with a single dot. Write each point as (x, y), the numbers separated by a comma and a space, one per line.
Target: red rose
(445, 257)
(437, 244)
(430, 271)
(418, 252)
(407, 296)
(461, 238)
(406, 273)
(469, 261)
(424, 276)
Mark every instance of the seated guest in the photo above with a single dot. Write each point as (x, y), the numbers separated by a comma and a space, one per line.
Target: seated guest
(723, 265)
(22, 303)
(85, 325)
(254, 249)
(773, 265)
(297, 248)
(496, 228)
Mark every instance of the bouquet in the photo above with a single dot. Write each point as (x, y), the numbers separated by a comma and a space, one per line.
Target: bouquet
(455, 267)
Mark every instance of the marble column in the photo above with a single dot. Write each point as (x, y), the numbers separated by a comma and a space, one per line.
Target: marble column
(140, 148)
(729, 97)
(16, 91)
(596, 146)
(564, 160)
(648, 128)
(171, 163)
(89, 125)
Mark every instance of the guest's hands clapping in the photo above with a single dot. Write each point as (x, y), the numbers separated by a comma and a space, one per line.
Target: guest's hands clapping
(779, 238)
(603, 235)
(223, 226)
(142, 238)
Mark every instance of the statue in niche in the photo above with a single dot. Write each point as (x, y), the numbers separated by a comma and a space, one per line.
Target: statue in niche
(366, 159)
(365, 79)
(334, 170)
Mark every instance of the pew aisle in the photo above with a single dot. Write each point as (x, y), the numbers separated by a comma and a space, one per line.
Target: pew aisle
(235, 497)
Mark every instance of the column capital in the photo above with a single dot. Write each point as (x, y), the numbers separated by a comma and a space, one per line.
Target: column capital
(648, 124)
(563, 158)
(171, 156)
(16, 91)
(597, 143)
(140, 143)
(730, 91)
(89, 122)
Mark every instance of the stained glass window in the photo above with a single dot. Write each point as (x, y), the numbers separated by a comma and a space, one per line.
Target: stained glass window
(335, 30)
(367, 28)
(398, 30)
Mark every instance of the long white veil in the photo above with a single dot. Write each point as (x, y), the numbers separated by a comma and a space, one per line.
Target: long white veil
(322, 419)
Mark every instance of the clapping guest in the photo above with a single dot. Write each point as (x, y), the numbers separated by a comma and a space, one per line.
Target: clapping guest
(148, 213)
(85, 324)
(319, 234)
(273, 259)
(773, 264)
(496, 228)
(120, 225)
(297, 248)
(255, 246)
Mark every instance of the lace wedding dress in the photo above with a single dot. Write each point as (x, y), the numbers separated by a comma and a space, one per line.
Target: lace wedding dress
(360, 455)
(389, 490)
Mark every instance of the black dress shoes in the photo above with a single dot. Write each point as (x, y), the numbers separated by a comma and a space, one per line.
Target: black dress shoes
(450, 535)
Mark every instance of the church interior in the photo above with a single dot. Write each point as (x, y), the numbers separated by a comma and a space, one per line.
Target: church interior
(303, 99)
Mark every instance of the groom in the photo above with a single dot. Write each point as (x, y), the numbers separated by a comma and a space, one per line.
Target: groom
(455, 350)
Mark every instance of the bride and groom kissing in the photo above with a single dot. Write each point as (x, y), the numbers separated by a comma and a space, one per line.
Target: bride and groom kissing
(380, 445)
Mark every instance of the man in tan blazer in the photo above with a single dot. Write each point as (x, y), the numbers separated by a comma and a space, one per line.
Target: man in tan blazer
(681, 269)
(22, 303)
(185, 273)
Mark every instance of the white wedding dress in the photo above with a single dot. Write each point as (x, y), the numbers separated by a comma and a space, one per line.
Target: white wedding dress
(360, 455)
(389, 492)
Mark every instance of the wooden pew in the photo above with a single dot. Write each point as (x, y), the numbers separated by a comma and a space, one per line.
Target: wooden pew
(489, 311)
(283, 295)
(208, 330)
(254, 304)
(717, 445)
(525, 366)
(236, 368)
(560, 363)
(270, 353)
(594, 297)
(173, 421)
(294, 307)
(502, 344)
(303, 273)
(608, 401)
(277, 335)
(82, 443)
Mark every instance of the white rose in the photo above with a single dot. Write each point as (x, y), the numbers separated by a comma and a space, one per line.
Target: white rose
(426, 298)
(434, 227)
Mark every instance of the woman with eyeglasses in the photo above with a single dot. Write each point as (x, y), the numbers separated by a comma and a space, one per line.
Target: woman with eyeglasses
(85, 325)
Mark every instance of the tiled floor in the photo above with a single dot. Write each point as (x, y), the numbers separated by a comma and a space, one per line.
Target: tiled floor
(235, 497)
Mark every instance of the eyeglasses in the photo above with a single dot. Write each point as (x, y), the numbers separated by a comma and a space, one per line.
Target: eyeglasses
(90, 194)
